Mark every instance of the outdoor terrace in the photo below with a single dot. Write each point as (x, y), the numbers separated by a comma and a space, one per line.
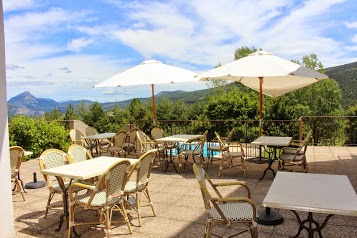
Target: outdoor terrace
(178, 202)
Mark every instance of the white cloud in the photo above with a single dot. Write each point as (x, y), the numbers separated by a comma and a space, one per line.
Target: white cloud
(77, 45)
(351, 24)
(195, 35)
(11, 5)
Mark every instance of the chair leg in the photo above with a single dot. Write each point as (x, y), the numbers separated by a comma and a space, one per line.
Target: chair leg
(48, 203)
(138, 207)
(107, 221)
(208, 229)
(243, 165)
(20, 188)
(221, 164)
(146, 192)
(125, 215)
(70, 220)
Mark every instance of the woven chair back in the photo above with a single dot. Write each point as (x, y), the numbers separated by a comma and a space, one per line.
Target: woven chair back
(201, 143)
(112, 183)
(230, 135)
(52, 158)
(201, 177)
(75, 136)
(91, 131)
(119, 139)
(77, 153)
(143, 168)
(16, 156)
(130, 137)
(157, 133)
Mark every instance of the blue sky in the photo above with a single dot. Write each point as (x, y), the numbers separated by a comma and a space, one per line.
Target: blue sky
(59, 49)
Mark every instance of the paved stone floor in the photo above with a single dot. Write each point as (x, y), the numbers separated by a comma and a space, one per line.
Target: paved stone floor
(178, 202)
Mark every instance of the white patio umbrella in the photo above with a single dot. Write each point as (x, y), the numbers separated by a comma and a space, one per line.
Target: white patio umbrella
(267, 74)
(150, 72)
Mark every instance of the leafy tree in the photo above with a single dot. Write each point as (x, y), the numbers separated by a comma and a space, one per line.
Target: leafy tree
(180, 111)
(37, 135)
(70, 114)
(165, 110)
(117, 117)
(137, 110)
(243, 52)
(53, 115)
(83, 111)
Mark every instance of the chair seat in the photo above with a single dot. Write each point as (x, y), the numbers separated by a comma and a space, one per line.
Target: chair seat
(98, 200)
(292, 151)
(130, 187)
(234, 211)
(114, 148)
(292, 157)
(233, 154)
(215, 148)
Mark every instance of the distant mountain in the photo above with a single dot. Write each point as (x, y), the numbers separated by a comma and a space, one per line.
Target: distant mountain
(346, 77)
(26, 104)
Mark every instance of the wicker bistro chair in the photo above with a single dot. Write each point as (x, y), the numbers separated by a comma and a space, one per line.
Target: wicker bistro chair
(16, 156)
(141, 183)
(147, 144)
(107, 196)
(225, 210)
(214, 146)
(75, 136)
(52, 158)
(295, 156)
(130, 141)
(117, 145)
(186, 151)
(228, 152)
(77, 153)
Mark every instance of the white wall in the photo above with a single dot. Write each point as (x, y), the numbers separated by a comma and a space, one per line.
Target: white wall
(6, 208)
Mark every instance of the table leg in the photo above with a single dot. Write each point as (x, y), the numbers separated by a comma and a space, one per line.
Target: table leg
(260, 159)
(65, 214)
(271, 160)
(269, 217)
(171, 161)
(313, 226)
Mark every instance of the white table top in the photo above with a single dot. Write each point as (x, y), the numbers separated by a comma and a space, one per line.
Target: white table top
(86, 169)
(320, 193)
(100, 136)
(179, 138)
(273, 141)
(27, 153)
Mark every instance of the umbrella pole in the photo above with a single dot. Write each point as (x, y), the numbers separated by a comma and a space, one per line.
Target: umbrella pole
(260, 104)
(153, 104)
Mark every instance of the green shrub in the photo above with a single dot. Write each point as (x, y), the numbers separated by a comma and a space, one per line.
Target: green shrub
(37, 135)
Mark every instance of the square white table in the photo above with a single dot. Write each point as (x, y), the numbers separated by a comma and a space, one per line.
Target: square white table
(183, 138)
(312, 193)
(272, 142)
(82, 170)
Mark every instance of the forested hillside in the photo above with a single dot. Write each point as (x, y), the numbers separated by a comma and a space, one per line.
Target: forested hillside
(346, 77)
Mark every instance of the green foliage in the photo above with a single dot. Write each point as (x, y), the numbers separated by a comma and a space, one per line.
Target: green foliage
(243, 52)
(312, 62)
(83, 111)
(235, 104)
(53, 115)
(70, 114)
(37, 135)
(346, 76)
(138, 110)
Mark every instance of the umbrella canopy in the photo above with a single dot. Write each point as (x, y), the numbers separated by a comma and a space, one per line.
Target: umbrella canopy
(267, 74)
(150, 72)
